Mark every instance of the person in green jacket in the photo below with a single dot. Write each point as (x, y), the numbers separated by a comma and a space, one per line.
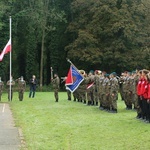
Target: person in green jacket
(56, 83)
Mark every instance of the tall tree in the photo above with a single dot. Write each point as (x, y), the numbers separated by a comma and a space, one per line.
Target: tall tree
(108, 32)
(42, 12)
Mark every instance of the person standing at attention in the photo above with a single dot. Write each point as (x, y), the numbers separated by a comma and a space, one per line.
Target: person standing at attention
(21, 87)
(10, 83)
(56, 83)
(33, 84)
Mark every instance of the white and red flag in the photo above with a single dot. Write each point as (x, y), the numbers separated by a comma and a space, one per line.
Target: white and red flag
(6, 50)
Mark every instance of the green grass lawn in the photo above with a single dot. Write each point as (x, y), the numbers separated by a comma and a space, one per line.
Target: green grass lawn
(68, 125)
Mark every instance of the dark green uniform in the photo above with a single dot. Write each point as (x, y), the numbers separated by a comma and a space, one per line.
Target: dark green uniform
(56, 83)
(106, 96)
(82, 91)
(21, 88)
(114, 93)
(90, 90)
(128, 92)
(101, 91)
(96, 89)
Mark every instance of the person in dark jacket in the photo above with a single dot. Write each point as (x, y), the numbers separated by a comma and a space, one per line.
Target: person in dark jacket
(33, 84)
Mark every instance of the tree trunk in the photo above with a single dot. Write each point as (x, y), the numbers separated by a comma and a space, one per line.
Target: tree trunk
(41, 64)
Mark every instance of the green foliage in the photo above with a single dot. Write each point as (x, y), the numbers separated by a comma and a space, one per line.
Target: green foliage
(119, 28)
(108, 35)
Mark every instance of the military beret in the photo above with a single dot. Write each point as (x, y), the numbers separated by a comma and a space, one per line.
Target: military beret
(106, 75)
(114, 73)
(91, 71)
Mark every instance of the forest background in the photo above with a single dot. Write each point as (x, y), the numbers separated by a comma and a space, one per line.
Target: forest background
(108, 35)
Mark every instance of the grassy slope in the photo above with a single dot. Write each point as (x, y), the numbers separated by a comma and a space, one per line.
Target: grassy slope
(69, 125)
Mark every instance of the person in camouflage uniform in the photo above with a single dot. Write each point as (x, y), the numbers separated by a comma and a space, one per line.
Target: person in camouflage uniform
(128, 91)
(75, 95)
(12, 83)
(134, 81)
(101, 91)
(106, 96)
(90, 88)
(1, 87)
(121, 80)
(82, 88)
(21, 87)
(56, 83)
(113, 92)
(96, 87)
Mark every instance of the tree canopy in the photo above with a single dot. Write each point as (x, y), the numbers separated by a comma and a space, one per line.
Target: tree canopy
(112, 35)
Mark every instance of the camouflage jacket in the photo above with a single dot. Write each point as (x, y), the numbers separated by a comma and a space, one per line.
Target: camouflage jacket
(56, 83)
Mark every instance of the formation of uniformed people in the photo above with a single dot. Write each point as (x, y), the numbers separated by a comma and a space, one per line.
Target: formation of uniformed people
(10, 84)
(98, 88)
(101, 88)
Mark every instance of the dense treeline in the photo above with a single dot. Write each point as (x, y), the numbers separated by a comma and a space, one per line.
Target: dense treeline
(111, 35)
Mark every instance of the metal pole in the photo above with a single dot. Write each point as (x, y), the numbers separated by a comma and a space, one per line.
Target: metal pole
(10, 58)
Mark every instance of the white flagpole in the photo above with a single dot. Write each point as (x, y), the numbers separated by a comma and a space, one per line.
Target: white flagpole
(10, 59)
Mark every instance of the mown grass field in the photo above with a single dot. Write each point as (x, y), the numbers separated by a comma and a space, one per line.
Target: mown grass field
(68, 125)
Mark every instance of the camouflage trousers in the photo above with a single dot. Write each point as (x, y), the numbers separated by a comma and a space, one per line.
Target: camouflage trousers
(128, 99)
(113, 101)
(56, 94)
(101, 99)
(90, 95)
(20, 95)
(106, 101)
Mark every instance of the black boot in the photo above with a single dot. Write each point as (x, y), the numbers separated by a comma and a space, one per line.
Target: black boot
(138, 116)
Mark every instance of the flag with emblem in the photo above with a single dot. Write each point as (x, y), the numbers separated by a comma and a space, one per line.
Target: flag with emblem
(74, 79)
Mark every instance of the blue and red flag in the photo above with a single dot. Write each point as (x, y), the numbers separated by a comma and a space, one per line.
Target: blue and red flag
(74, 79)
